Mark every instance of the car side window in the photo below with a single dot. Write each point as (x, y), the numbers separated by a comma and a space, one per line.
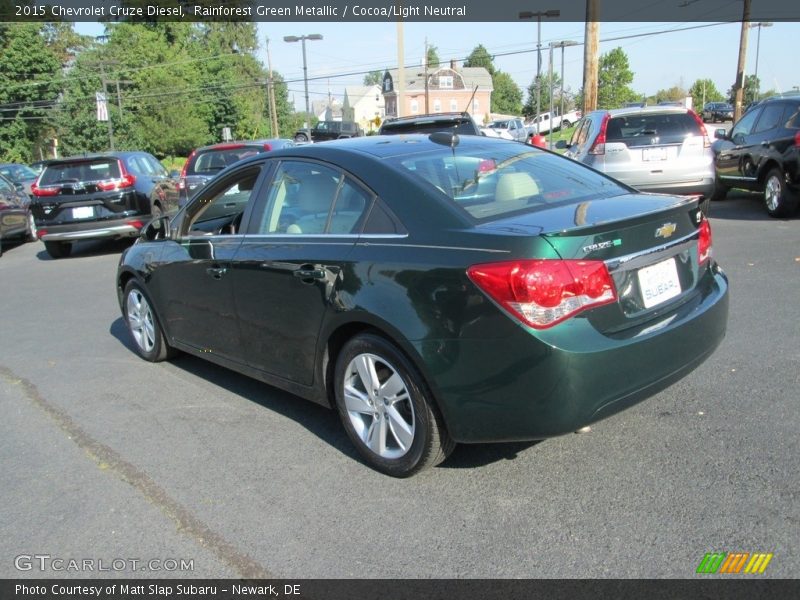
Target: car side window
(306, 198)
(220, 211)
(744, 126)
(5, 187)
(770, 117)
(791, 116)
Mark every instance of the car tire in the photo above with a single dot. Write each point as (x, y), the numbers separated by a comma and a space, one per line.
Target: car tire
(300, 138)
(778, 198)
(720, 190)
(58, 249)
(30, 235)
(143, 325)
(386, 408)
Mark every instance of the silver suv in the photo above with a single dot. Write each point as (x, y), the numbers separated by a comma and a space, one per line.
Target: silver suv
(660, 149)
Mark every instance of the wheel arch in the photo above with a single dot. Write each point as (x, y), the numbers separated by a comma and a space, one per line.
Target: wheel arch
(769, 164)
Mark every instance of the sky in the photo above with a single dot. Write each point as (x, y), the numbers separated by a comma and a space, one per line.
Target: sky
(661, 55)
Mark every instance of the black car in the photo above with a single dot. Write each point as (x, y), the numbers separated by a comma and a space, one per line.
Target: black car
(761, 153)
(15, 218)
(329, 130)
(205, 163)
(431, 289)
(717, 111)
(461, 123)
(108, 195)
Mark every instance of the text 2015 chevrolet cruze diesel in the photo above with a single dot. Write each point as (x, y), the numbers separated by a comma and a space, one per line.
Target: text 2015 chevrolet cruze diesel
(433, 289)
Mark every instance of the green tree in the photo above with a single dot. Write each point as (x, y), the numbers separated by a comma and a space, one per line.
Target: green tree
(672, 94)
(529, 109)
(30, 82)
(506, 97)
(751, 87)
(703, 91)
(480, 57)
(614, 79)
(432, 57)
(373, 78)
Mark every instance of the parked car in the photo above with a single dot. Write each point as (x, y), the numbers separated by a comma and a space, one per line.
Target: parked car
(22, 176)
(761, 153)
(510, 129)
(717, 111)
(205, 163)
(108, 195)
(16, 222)
(654, 149)
(462, 123)
(432, 289)
(329, 130)
(547, 122)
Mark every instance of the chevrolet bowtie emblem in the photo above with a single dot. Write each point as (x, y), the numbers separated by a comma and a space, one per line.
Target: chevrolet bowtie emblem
(666, 230)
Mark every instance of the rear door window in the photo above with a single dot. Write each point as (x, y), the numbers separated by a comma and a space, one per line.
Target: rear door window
(652, 129)
(770, 117)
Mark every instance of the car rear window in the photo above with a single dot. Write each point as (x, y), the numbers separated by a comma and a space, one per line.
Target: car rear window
(652, 128)
(81, 171)
(492, 182)
(431, 126)
(214, 160)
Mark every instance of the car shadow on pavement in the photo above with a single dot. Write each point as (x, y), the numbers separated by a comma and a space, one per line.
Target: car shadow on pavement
(743, 206)
(319, 420)
(90, 248)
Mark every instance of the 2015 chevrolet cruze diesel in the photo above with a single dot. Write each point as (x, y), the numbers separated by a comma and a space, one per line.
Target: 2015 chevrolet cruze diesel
(433, 289)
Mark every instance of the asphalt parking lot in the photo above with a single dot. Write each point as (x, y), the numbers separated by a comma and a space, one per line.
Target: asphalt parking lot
(104, 456)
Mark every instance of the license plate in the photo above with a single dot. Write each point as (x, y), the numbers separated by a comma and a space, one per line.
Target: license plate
(83, 212)
(658, 283)
(654, 154)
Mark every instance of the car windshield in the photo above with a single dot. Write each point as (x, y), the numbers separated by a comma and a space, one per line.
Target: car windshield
(80, 171)
(647, 129)
(214, 160)
(490, 182)
(17, 172)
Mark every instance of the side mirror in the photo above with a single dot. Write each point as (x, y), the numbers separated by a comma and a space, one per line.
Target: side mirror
(157, 229)
(562, 145)
(720, 134)
(174, 174)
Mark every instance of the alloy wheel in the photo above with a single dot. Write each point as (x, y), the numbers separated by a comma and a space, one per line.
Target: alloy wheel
(772, 193)
(140, 320)
(379, 406)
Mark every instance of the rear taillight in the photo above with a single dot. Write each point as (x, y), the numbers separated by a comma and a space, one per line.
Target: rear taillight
(704, 242)
(40, 233)
(542, 293)
(599, 145)
(126, 180)
(182, 180)
(797, 140)
(702, 126)
(267, 147)
(49, 191)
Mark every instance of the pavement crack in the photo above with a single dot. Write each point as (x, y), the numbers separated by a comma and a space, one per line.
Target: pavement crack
(108, 460)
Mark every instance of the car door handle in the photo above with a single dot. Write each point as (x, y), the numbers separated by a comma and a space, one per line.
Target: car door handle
(216, 272)
(310, 273)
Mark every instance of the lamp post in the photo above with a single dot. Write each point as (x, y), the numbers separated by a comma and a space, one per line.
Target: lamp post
(526, 14)
(303, 38)
(562, 44)
(760, 25)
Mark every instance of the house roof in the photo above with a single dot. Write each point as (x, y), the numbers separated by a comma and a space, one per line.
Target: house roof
(415, 79)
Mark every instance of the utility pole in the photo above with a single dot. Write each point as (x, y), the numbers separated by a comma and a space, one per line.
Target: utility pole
(273, 112)
(739, 85)
(400, 90)
(427, 109)
(591, 49)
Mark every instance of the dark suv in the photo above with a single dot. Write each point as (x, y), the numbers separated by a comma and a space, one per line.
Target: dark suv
(461, 123)
(717, 111)
(329, 130)
(762, 154)
(110, 195)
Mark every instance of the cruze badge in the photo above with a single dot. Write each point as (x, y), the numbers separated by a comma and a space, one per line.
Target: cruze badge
(666, 230)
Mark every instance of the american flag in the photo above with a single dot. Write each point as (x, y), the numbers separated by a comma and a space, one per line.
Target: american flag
(102, 106)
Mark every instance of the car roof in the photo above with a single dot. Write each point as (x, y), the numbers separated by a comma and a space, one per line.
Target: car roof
(633, 110)
(232, 143)
(446, 116)
(96, 155)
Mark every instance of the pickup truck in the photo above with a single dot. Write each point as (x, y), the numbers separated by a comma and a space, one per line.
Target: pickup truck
(545, 122)
(329, 130)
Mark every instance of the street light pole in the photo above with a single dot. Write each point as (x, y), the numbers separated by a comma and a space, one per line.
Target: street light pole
(760, 25)
(562, 44)
(538, 15)
(302, 39)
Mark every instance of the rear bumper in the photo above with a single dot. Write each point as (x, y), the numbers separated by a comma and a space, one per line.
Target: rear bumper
(92, 230)
(703, 187)
(535, 385)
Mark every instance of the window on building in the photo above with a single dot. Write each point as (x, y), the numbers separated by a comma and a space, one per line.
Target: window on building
(453, 105)
(446, 81)
(437, 105)
(414, 107)
(475, 106)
